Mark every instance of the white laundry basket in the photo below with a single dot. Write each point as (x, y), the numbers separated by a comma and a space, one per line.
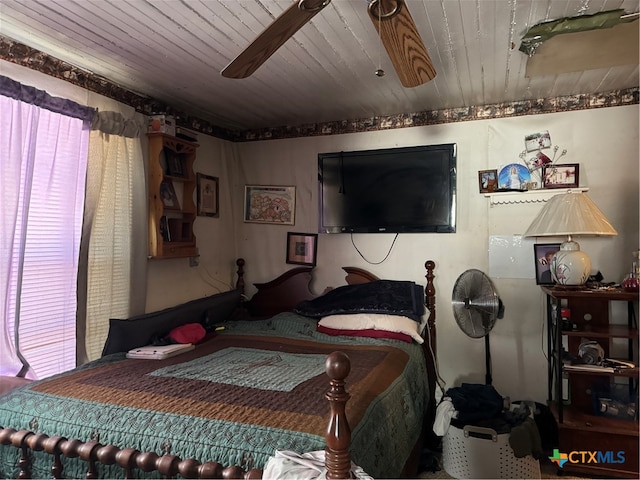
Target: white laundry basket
(488, 455)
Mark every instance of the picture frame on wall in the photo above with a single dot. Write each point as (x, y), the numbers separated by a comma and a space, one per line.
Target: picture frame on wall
(561, 176)
(168, 196)
(302, 248)
(542, 253)
(207, 195)
(270, 204)
(488, 181)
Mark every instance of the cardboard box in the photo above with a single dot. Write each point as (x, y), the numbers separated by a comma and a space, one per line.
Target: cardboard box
(162, 124)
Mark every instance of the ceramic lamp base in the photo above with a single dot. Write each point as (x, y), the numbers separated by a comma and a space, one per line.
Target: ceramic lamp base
(570, 265)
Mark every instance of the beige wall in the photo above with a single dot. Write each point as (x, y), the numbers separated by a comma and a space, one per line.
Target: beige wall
(603, 141)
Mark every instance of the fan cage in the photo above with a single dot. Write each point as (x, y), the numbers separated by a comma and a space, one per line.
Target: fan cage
(475, 303)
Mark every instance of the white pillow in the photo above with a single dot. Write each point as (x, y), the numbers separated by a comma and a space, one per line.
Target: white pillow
(375, 321)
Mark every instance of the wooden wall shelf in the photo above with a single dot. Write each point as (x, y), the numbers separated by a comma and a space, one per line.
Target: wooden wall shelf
(171, 169)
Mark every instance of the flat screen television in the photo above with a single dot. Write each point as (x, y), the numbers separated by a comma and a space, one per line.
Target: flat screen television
(394, 190)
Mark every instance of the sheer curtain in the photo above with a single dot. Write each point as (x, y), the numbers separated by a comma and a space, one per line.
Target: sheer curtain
(43, 155)
(112, 281)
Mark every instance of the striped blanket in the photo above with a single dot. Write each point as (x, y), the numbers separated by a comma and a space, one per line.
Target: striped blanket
(254, 388)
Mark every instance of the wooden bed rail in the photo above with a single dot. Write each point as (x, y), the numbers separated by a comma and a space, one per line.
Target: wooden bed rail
(337, 437)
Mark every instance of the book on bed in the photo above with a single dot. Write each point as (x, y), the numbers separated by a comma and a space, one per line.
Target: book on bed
(159, 352)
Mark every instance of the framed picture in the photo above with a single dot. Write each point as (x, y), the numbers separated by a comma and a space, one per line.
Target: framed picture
(488, 180)
(269, 204)
(302, 248)
(542, 253)
(175, 167)
(207, 194)
(168, 195)
(561, 176)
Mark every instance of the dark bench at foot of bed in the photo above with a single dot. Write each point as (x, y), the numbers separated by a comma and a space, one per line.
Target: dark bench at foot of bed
(338, 439)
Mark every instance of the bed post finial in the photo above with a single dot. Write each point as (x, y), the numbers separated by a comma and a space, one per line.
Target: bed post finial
(338, 437)
(430, 297)
(240, 272)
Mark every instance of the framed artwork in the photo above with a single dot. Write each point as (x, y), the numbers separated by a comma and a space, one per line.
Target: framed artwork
(561, 176)
(207, 194)
(269, 204)
(488, 180)
(542, 253)
(302, 248)
(168, 196)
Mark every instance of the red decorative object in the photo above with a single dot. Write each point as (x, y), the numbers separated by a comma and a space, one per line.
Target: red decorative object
(631, 283)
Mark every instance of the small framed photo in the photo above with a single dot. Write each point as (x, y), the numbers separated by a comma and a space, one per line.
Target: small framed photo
(207, 194)
(302, 248)
(488, 181)
(561, 176)
(269, 204)
(542, 253)
(168, 196)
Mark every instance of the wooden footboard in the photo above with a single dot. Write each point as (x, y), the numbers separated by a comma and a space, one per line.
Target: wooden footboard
(337, 437)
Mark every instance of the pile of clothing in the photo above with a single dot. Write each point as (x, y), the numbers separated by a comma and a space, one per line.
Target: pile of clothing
(482, 406)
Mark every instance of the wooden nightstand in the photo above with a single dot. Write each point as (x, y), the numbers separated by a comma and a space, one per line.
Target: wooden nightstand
(580, 428)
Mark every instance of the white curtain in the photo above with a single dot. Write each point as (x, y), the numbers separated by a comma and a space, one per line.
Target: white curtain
(43, 153)
(112, 281)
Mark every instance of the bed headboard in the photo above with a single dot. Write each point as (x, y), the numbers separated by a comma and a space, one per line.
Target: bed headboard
(281, 294)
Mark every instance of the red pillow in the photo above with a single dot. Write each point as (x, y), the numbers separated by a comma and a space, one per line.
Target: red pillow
(368, 332)
(187, 333)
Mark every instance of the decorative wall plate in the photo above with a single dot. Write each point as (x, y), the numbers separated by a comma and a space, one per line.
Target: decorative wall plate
(513, 177)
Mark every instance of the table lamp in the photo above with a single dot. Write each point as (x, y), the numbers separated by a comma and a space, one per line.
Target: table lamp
(570, 214)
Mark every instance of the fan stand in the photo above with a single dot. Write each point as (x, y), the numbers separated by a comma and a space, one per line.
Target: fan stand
(488, 379)
(476, 306)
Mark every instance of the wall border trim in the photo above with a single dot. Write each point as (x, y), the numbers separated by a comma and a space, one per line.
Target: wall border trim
(23, 55)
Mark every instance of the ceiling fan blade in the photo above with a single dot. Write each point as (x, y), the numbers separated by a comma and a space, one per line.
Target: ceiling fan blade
(402, 42)
(273, 37)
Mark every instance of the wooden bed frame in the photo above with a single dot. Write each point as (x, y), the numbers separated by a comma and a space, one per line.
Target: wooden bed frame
(279, 295)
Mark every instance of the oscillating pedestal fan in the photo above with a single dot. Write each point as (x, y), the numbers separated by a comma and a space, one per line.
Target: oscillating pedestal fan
(476, 306)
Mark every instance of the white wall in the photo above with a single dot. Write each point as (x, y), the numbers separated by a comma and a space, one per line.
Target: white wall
(603, 141)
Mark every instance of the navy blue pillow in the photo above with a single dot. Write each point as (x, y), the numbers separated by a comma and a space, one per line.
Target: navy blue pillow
(392, 297)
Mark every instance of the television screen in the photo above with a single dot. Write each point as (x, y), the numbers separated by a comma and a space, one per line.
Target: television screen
(395, 190)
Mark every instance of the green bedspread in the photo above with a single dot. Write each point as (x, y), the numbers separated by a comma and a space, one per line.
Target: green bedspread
(256, 387)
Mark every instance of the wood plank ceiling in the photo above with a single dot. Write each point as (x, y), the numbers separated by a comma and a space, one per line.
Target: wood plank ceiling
(174, 50)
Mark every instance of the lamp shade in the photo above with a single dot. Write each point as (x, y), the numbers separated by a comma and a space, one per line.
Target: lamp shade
(570, 214)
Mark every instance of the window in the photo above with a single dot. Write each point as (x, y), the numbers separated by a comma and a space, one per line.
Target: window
(42, 179)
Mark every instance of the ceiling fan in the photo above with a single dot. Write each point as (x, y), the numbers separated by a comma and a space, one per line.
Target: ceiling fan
(391, 18)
